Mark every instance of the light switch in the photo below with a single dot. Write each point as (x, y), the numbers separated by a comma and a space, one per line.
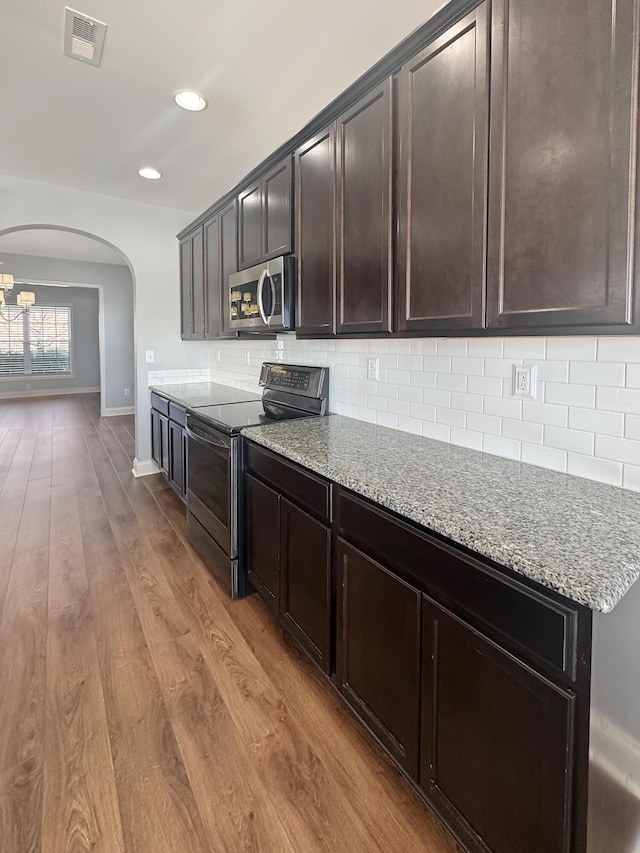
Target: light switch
(149, 356)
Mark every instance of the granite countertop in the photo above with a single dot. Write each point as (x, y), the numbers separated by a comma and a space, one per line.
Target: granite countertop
(575, 536)
(193, 394)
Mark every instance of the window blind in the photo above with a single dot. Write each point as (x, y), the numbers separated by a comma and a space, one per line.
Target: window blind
(38, 342)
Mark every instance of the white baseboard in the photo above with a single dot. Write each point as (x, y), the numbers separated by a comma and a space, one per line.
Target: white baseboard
(122, 410)
(615, 752)
(144, 468)
(46, 392)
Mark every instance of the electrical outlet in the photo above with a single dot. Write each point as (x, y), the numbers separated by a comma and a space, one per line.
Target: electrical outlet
(524, 380)
(149, 356)
(279, 344)
(127, 392)
(279, 355)
(373, 368)
(247, 356)
(219, 356)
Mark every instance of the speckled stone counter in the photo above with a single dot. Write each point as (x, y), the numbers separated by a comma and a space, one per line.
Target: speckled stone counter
(572, 535)
(194, 394)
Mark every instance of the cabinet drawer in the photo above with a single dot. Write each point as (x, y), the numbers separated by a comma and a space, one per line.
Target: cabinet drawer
(160, 404)
(178, 414)
(529, 623)
(304, 488)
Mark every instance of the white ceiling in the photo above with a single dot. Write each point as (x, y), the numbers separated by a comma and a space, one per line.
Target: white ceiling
(55, 243)
(265, 67)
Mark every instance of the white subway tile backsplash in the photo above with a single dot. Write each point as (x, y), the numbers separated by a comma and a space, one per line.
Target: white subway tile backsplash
(570, 395)
(461, 391)
(501, 446)
(593, 420)
(598, 373)
(619, 349)
(452, 346)
(484, 423)
(466, 438)
(572, 349)
(568, 439)
(525, 348)
(603, 470)
(523, 431)
(619, 400)
(545, 457)
(622, 449)
(545, 413)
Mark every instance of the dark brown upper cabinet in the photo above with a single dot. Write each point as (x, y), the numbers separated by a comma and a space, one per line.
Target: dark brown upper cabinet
(561, 208)
(442, 181)
(265, 217)
(192, 289)
(221, 259)
(315, 234)
(364, 159)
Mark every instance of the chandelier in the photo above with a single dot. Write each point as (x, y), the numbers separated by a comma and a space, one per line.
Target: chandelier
(25, 299)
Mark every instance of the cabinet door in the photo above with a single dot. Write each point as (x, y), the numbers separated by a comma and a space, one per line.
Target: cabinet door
(378, 651)
(156, 440)
(250, 226)
(364, 224)
(561, 207)
(213, 296)
(315, 234)
(305, 581)
(197, 284)
(185, 463)
(176, 457)
(443, 113)
(228, 263)
(164, 443)
(496, 741)
(263, 550)
(277, 194)
(186, 292)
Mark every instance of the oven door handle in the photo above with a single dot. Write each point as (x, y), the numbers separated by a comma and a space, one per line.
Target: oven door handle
(263, 275)
(205, 438)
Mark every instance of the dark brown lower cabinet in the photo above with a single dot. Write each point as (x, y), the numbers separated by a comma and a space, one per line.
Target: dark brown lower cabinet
(378, 651)
(263, 541)
(305, 581)
(164, 443)
(156, 439)
(496, 741)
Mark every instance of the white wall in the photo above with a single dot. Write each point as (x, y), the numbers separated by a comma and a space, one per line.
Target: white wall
(146, 235)
(118, 313)
(585, 420)
(85, 358)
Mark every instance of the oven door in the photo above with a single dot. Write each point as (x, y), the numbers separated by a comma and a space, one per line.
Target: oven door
(212, 494)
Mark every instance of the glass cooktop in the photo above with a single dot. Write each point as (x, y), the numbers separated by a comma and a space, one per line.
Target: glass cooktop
(232, 417)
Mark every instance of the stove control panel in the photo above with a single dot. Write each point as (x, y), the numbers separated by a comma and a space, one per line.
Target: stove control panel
(297, 379)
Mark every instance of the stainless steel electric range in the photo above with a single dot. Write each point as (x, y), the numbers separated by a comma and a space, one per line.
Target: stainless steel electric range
(215, 495)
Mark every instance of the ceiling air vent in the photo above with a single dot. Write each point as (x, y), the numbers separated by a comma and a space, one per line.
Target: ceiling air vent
(83, 37)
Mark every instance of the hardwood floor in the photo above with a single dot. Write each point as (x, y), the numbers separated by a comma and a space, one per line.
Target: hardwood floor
(141, 710)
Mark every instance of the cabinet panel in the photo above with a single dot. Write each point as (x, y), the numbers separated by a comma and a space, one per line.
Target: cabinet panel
(197, 284)
(176, 458)
(496, 741)
(564, 91)
(164, 443)
(156, 440)
(250, 226)
(263, 550)
(186, 293)
(228, 263)
(277, 194)
(213, 296)
(364, 224)
(443, 112)
(305, 581)
(315, 234)
(378, 651)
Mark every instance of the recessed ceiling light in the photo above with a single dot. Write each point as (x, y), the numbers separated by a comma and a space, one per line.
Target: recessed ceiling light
(190, 100)
(149, 173)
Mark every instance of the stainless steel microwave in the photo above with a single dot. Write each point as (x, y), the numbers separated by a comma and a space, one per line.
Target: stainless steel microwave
(261, 297)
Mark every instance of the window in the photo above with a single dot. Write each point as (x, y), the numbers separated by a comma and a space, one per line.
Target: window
(36, 342)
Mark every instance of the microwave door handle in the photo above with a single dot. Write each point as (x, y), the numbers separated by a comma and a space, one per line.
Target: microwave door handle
(273, 300)
(263, 275)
